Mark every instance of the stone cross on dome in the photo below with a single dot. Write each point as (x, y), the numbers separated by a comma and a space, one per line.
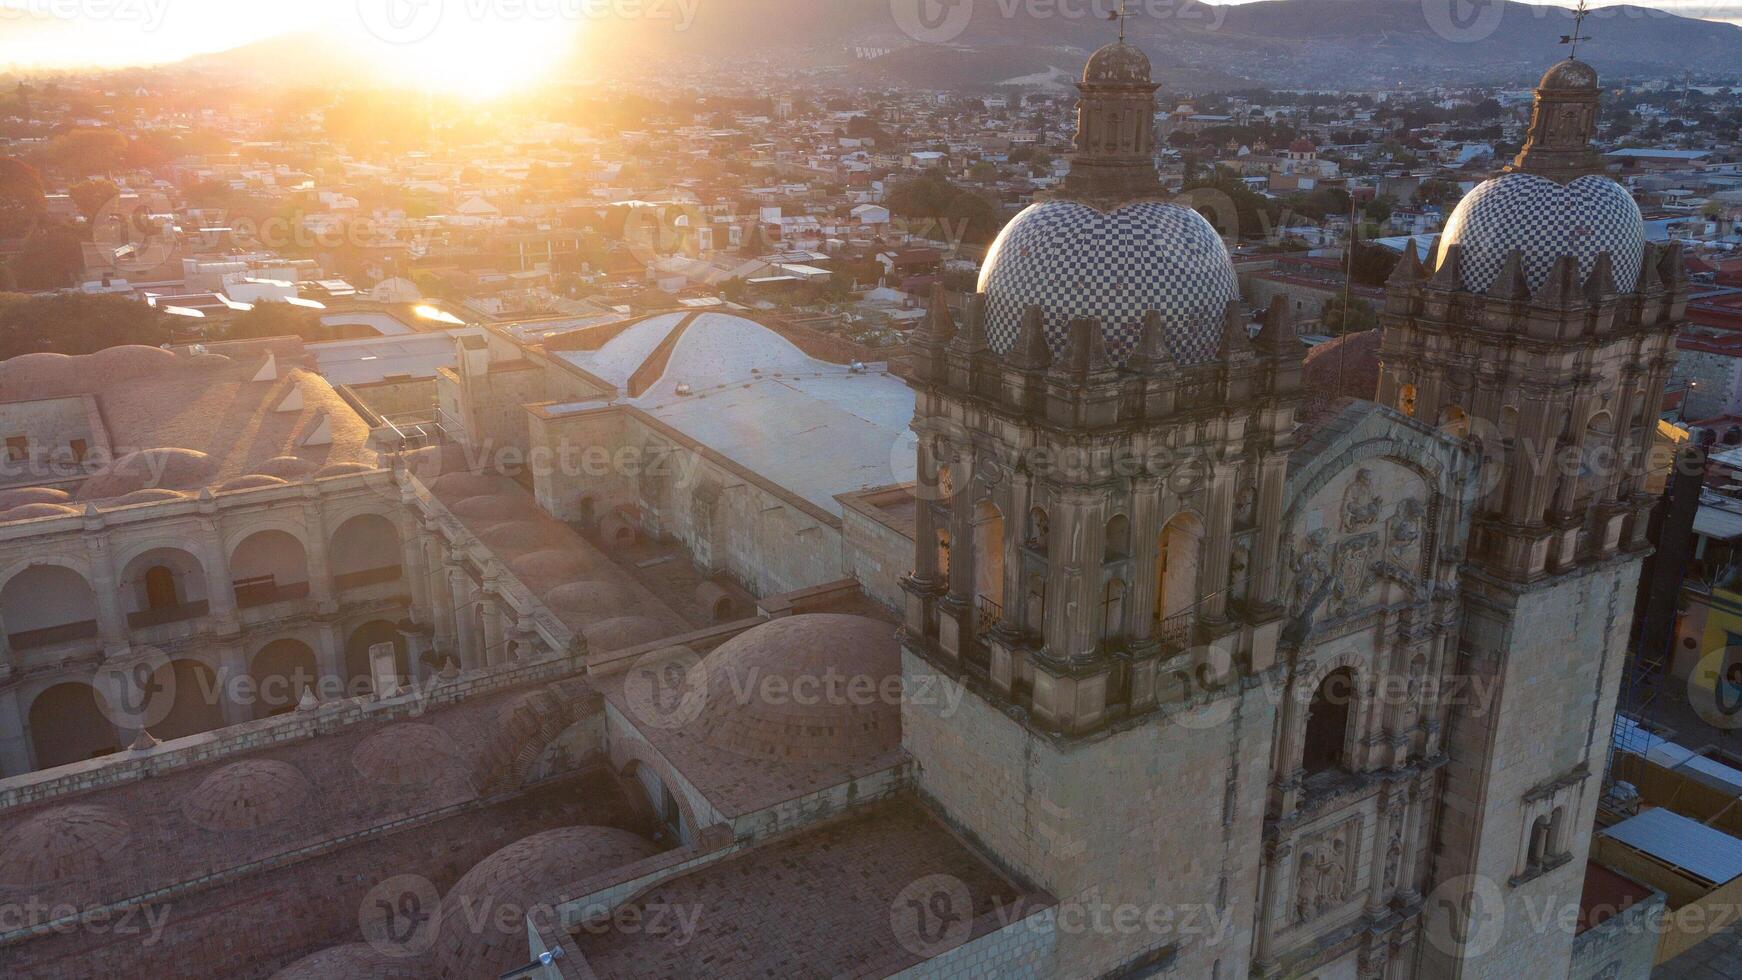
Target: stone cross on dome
(1120, 15)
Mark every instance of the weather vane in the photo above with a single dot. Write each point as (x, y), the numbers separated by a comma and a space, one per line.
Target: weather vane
(1119, 15)
(1580, 12)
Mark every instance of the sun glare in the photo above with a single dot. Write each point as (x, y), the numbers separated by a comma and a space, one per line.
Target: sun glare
(478, 58)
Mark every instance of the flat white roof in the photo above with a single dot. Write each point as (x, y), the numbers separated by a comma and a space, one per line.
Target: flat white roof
(1683, 843)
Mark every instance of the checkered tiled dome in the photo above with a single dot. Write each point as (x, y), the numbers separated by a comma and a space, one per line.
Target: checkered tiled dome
(1074, 261)
(1544, 220)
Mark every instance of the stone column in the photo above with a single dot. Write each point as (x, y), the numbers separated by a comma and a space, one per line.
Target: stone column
(5, 652)
(462, 634)
(1218, 544)
(1267, 548)
(330, 662)
(111, 621)
(320, 573)
(1145, 575)
(411, 548)
(232, 666)
(220, 587)
(495, 640)
(15, 752)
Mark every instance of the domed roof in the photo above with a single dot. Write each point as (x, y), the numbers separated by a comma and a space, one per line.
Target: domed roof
(540, 569)
(146, 497)
(168, 468)
(285, 467)
(64, 842)
(516, 536)
(1117, 63)
(343, 469)
(620, 632)
(1543, 220)
(494, 507)
(1569, 74)
(1074, 261)
(828, 704)
(32, 512)
(353, 961)
(253, 481)
(588, 598)
(524, 873)
(247, 795)
(408, 753)
(32, 495)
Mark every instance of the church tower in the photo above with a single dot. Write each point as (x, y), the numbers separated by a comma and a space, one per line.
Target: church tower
(1102, 447)
(1543, 329)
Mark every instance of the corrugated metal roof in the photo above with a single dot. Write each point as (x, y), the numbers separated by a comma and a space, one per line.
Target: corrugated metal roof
(1687, 844)
(1716, 522)
(1714, 774)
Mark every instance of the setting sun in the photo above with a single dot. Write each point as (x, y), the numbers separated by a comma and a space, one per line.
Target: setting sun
(480, 56)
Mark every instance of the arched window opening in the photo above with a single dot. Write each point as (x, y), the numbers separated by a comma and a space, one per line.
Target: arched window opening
(1176, 586)
(160, 590)
(68, 725)
(269, 566)
(1327, 727)
(1597, 474)
(988, 563)
(1509, 422)
(1406, 400)
(196, 704)
(1113, 609)
(366, 550)
(282, 670)
(1538, 853)
(45, 605)
(944, 553)
(1118, 538)
(946, 483)
(1039, 528)
(1454, 422)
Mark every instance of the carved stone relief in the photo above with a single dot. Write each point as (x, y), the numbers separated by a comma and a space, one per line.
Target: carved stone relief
(1325, 871)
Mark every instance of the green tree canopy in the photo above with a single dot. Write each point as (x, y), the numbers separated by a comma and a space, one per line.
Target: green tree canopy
(74, 323)
(22, 201)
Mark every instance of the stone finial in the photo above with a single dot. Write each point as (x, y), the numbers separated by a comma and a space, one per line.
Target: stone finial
(1235, 339)
(1600, 284)
(268, 369)
(1278, 335)
(1151, 355)
(940, 323)
(308, 701)
(1032, 352)
(145, 742)
(1408, 268)
(1670, 265)
(1511, 282)
(971, 339)
(450, 669)
(1085, 349)
(1561, 288)
(1450, 273)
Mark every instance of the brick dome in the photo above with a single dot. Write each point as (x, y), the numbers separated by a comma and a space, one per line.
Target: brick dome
(167, 468)
(32, 495)
(64, 842)
(155, 496)
(353, 961)
(247, 795)
(541, 569)
(807, 688)
(343, 469)
(620, 632)
(408, 753)
(253, 481)
(516, 536)
(493, 507)
(529, 871)
(285, 467)
(33, 512)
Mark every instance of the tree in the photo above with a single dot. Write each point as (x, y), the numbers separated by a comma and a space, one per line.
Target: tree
(86, 152)
(276, 320)
(1359, 316)
(22, 201)
(50, 259)
(1371, 265)
(75, 323)
(91, 196)
(961, 214)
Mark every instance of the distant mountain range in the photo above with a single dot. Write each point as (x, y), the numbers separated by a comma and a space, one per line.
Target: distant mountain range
(1339, 44)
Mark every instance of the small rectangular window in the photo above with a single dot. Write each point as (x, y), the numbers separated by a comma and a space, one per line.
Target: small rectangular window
(78, 448)
(17, 448)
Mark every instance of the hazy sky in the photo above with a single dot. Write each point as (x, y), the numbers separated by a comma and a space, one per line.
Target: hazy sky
(61, 33)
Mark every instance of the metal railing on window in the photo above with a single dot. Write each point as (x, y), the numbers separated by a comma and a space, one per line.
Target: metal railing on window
(1175, 631)
(987, 613)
